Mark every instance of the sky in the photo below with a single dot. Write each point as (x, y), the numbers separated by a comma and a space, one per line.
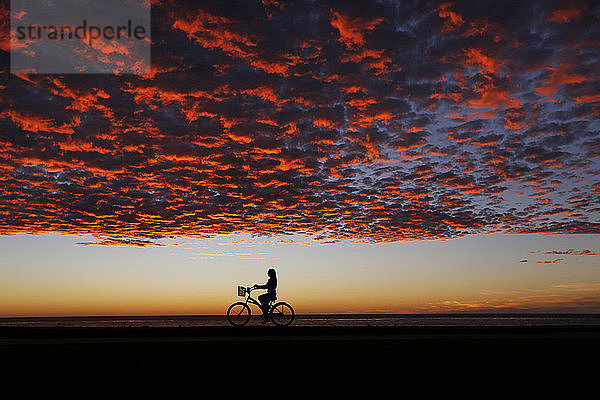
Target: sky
(385, 156)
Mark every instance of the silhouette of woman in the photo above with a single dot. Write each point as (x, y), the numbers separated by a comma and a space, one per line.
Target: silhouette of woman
(271, 294)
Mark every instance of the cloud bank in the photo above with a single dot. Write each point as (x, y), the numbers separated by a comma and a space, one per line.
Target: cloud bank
(380, 122)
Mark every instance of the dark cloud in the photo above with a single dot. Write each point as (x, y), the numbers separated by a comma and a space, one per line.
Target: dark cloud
(571, 252)
(120, 242)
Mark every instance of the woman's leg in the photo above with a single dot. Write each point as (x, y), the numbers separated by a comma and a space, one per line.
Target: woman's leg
(264, 301)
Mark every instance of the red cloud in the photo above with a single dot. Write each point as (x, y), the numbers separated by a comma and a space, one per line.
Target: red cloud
(559, 76)
(557, 261)
(453, 20)
(568, 11)
(353, 29)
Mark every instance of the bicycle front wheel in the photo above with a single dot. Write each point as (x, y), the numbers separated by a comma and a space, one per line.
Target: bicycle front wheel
(238, 314)
(282, 314)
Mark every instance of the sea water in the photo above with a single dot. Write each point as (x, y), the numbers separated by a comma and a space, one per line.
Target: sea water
(321, 320)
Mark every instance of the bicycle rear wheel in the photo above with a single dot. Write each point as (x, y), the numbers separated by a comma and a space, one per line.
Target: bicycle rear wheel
(238, 314)
(282, 314)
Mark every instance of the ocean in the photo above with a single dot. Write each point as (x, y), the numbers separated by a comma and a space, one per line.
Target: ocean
(321, 320)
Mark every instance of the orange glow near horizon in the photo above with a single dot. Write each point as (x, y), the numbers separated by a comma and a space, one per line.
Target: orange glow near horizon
(387, 157)
(484, 273)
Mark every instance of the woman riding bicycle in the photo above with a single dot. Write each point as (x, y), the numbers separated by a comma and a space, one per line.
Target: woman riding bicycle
(280, 313)
(271, 294)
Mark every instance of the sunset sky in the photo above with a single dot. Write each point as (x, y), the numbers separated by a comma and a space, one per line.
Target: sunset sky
(384, 156)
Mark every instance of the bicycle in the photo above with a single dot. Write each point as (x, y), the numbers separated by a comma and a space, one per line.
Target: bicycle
(239, 313)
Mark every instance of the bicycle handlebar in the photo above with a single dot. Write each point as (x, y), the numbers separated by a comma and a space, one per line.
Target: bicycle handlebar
(250, 288)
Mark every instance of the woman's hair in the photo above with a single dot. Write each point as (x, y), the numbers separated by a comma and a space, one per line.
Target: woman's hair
(271, 272)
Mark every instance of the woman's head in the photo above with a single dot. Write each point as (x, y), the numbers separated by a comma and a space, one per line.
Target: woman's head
(271, 273)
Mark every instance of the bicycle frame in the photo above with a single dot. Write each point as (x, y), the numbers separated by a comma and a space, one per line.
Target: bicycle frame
(252, 300)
